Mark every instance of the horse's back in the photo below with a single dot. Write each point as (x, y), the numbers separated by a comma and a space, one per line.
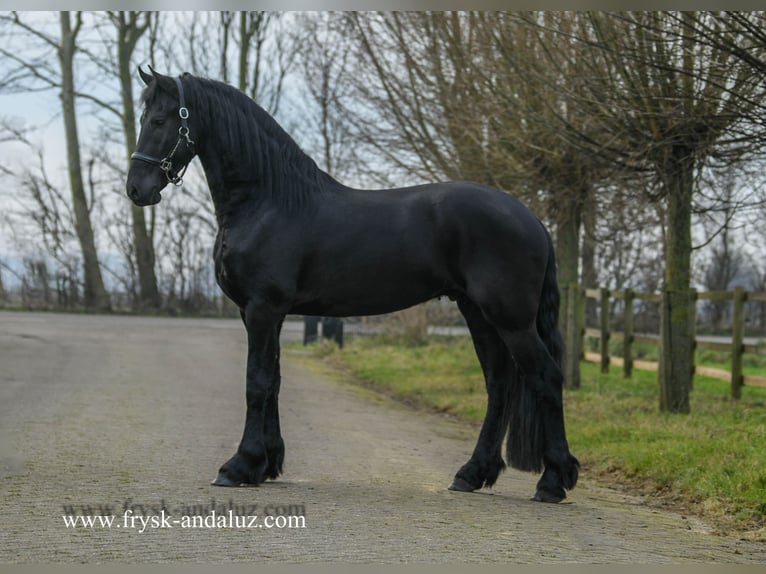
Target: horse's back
(468, 204)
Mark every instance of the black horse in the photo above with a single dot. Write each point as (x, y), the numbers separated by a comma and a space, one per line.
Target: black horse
(291, 239)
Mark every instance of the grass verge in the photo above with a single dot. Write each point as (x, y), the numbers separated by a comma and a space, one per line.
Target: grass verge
(711, 463)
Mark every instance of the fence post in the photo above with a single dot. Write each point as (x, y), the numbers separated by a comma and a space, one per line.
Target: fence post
(737, 340)
(572, 345)
(310, 329)
(332, 328)
(604, 330)
(627, 341)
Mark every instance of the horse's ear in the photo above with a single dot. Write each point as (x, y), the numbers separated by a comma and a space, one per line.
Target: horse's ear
(165, 83)
(147, 78)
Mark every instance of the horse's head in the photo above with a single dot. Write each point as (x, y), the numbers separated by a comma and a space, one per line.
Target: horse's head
(165, 146)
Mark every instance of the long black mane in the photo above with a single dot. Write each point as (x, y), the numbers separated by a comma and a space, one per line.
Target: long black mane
(253, 146)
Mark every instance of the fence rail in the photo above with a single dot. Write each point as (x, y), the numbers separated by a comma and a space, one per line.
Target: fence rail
(738, 347)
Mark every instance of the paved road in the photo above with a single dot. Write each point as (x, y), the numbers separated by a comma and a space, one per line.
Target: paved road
(103, 414)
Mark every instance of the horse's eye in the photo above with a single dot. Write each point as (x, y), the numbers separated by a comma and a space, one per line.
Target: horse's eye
(158, 121)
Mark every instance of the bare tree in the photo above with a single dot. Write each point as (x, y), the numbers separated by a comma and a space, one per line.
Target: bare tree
(3, 292)
(675, 104)
(263, 52)
(129, 27)
(325, 69)
(186, 252)
(45, 224)
(112, 59)
(37, 73)
(741, 36)
(412, 88)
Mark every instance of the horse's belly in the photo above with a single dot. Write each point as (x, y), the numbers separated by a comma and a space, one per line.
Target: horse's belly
(368, 291)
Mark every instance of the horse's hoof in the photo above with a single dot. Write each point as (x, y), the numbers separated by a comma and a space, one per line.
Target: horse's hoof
(545, 496)
(461, 485)
(223, 480)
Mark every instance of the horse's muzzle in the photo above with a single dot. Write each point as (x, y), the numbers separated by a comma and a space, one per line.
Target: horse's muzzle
(143, 200)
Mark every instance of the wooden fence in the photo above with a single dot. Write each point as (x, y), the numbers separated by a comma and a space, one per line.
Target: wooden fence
(576, 330)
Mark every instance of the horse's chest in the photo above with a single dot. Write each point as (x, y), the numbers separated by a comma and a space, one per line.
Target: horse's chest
(225, 270)
(242, 262)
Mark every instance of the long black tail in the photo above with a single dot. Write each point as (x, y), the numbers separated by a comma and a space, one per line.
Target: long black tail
(548, 311)
(526, 437)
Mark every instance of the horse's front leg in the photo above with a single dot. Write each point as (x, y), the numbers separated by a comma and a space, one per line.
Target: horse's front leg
(275, 445)
(261, 450)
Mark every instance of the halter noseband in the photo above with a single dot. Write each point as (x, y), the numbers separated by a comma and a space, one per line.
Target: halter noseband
(166, 163)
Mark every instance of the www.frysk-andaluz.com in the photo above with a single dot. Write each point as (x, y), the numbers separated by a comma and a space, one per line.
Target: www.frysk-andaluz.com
(142, 517)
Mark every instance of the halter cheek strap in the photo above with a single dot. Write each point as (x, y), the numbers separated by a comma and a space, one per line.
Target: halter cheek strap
(166, 163)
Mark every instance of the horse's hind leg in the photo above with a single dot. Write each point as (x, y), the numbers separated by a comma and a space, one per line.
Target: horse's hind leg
(544, 380)
(486, 462)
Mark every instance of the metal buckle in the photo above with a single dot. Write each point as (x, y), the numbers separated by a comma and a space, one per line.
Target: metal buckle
(183, 113)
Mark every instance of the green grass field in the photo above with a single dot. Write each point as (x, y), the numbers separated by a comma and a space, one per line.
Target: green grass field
(711, 462)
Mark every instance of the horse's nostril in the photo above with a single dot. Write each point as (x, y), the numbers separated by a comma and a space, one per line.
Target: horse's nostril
(133, 192)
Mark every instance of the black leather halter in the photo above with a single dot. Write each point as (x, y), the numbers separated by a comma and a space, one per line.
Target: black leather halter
(166, 163)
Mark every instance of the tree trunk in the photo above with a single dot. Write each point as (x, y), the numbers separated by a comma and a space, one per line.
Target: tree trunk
(96, 297)
(675, 371)
(588, 257)
(244, 48)
(568, 224)
(149, 295)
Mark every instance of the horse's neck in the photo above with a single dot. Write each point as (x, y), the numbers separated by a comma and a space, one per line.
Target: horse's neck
(227, 196)
(237, 192)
